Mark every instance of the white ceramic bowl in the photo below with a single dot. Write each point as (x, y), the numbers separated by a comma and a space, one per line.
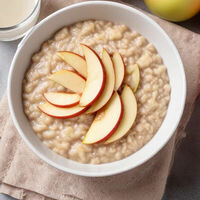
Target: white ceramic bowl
(106, 11)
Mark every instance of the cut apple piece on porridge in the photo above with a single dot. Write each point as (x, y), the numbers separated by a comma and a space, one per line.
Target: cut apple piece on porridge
(109, 85)
(69, 80)
(106, 121)
(95, 77)
(129, 114)
(119, 69)
(62, 99)
(63, 113)
(135, 77)
(74, 60)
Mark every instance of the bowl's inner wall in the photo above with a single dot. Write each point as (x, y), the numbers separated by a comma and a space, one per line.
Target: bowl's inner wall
(119, 14)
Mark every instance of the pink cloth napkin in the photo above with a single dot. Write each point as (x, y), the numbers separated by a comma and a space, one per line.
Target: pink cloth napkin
(25, 176)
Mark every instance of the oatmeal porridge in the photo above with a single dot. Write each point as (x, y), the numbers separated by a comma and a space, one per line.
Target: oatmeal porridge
(64, 136)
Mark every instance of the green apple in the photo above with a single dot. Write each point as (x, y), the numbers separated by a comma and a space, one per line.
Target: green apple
(174, 10)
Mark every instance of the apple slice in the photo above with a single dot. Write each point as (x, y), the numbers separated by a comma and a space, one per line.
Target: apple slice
(62, 113)
(95, 77)
(69, 79)
(106, 121)
(62, 99)
(129, 114)
(109, 85)
(119, 68)
(74, 60)
(135, 77)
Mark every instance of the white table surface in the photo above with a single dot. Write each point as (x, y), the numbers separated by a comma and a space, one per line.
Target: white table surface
(184, 180)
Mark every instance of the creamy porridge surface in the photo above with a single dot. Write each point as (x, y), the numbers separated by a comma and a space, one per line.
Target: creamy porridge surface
(64, 136)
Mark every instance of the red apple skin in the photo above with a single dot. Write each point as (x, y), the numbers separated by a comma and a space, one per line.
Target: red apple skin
(63, 106)
(122, 119)
(100, 108)
(105, 84)
(75, 72)
(65, 117)
(115, 127)
(77, 55)
(104, 76)
(111, 54)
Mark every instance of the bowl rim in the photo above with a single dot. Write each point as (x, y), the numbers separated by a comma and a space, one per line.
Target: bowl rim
(125, 168)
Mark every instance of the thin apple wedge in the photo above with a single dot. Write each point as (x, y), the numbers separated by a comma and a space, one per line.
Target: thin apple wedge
(129, 114)
(95, 77)
(62, 113)
(106, 121)
(74, 60)
(119, 68)
(69, 79)
(109, 85)
(62, 99)
(135, 77)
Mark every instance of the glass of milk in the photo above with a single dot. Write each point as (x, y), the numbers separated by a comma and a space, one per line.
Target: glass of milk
(17, 17)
